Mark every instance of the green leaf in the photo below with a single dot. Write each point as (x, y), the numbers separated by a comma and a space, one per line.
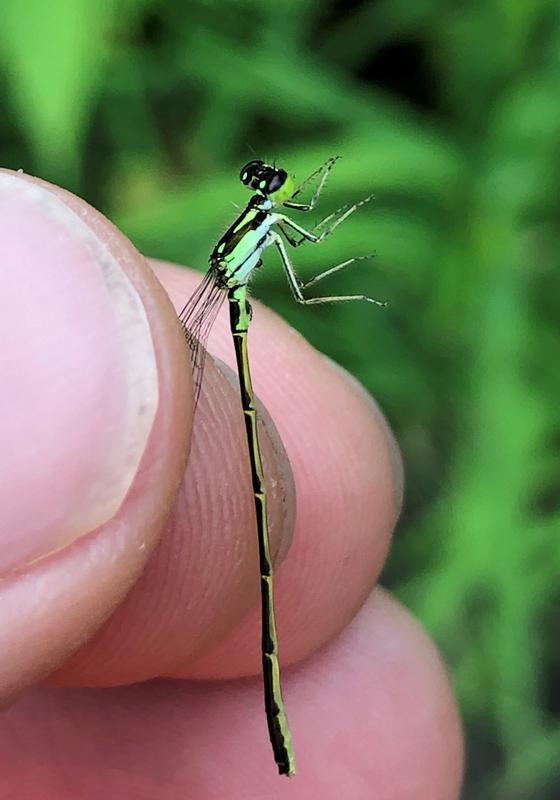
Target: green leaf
(55, 57)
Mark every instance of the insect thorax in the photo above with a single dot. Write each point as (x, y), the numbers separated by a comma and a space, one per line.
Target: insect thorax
(238, 252)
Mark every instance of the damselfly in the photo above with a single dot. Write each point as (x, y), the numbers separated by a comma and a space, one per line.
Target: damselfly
(232, 263)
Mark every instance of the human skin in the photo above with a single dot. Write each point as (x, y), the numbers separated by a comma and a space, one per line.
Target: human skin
(122, 568)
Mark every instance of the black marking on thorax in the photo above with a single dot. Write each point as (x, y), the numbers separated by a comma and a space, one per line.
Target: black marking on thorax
(248, 220)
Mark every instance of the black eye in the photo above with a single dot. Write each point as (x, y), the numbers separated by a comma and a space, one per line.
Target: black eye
(277, 181)
(249, 171)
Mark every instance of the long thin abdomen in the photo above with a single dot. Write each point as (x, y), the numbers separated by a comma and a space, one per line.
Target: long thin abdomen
(278, 727)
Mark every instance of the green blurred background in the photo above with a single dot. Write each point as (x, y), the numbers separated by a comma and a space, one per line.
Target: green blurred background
(450, 113)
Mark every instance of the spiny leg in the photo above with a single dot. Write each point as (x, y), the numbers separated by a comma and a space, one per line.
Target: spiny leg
(323, 171)
(335, 219)
(332, 270)
(296, 285)
(343, 211)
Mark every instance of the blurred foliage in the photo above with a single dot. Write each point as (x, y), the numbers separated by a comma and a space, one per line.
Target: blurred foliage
(450, 113)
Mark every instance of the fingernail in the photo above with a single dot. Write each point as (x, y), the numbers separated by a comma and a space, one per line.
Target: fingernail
(79, 384)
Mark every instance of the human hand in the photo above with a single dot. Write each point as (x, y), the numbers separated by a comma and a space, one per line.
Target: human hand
(118, 568)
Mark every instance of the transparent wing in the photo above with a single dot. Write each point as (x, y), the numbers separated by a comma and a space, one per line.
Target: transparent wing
(197, 318)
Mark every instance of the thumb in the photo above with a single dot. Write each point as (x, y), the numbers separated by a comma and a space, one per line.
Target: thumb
(94, 423)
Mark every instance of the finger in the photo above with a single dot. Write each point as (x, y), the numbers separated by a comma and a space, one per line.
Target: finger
(348, 486)
(94, 429)
(372, 715)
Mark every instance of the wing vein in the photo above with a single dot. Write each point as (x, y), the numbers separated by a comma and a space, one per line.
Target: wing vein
(197, 318)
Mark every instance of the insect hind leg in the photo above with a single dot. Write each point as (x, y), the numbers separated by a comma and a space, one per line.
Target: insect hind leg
(296, 285)
(321, 229)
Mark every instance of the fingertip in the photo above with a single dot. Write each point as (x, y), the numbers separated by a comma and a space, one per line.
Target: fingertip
(348, 477)
(372, 714)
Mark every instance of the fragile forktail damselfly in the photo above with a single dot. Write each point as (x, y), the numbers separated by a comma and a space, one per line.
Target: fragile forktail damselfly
(232, 263)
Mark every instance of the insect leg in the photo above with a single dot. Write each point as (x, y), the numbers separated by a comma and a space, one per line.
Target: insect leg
(296, 285)
(332, 270)
(328, 224)
(323, 171)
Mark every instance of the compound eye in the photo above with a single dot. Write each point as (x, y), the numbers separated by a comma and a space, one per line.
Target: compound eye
(277, 181)
(249, 171)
